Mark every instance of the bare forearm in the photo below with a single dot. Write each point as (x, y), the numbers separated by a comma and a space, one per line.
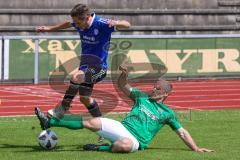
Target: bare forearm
(122, 24)
(122, 81)
(188, 140)
(64, 25)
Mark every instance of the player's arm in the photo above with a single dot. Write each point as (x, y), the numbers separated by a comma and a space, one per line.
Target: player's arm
(54, 28)
(122, 81)
(119, 24)
(188, 140)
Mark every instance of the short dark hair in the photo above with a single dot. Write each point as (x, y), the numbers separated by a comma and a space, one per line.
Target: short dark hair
(80, 10)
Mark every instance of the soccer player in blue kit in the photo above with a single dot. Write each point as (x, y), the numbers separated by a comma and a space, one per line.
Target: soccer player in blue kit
(95, 35)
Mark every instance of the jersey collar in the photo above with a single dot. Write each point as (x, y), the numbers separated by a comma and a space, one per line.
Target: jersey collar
(93, 17)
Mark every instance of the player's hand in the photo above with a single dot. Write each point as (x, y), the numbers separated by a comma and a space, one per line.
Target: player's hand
(43, 29)
(123, 68)
(204, 150)
(112, 23)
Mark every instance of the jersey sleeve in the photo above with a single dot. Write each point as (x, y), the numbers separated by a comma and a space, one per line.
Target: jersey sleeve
(105, 26)
(174, 123)
(135, 93)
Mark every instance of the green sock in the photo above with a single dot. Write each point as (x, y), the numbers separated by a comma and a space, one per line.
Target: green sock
(67, 123)
(105, 148)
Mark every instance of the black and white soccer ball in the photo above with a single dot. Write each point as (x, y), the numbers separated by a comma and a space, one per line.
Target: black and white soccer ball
(47, 139)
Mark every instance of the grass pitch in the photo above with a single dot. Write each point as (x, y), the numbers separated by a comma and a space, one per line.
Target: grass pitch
(218, 130)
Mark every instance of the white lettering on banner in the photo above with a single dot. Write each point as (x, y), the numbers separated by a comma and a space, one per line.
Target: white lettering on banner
(62, 57)
(140, 56)
(171, 60)
(31, 46)
(55, 45)
(71, 44)
(210, 60)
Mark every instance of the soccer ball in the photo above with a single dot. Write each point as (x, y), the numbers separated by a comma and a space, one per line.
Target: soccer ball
(47, 139)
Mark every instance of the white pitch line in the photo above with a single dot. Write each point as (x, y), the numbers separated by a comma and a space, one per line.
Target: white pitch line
(24, 113)
(112, 102)
(27, 94)
(207, 82)
(181, 107)
(206, 95)
(57, 93)
(15, 96)
(193, 95)
(234, 106)
(198, 86)
(24, 90)
(27, 106)
(223, 107)
(23, 101)
(207, 90)
(210, 100)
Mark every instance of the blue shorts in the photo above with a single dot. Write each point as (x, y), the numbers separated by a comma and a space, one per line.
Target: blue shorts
(92, 76)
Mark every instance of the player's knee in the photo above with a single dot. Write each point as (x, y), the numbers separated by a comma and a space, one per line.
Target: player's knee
(85, 99)
(93, 124)
(78, 77)
(123, 145)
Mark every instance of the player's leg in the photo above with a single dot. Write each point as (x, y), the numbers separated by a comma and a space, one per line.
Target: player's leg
(92, 76)
(92, 105)
(70, 93)
(68, 121)
(114, 131)
(123, 145)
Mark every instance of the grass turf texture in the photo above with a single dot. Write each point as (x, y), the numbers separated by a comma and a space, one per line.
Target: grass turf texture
(218, 130)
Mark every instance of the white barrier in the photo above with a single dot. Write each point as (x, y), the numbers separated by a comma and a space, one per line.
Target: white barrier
(1, 58)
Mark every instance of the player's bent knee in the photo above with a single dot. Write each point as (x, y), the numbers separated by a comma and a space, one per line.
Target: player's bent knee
(93, 124)
(78, 77)
(124, 145)
(86, 99)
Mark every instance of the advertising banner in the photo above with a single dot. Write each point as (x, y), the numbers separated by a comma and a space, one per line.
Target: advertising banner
(190, 57)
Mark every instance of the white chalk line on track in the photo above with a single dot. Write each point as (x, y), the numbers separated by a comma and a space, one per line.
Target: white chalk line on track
(128, 109)
(43, 94)
(172, 95)
(145, 87)
(41, 91)
(27, 94)
(178, 85)
(109, 101)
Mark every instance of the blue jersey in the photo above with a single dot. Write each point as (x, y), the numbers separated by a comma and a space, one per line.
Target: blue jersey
(95, 43)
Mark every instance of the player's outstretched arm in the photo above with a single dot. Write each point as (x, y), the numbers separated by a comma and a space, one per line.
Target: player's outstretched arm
(57, 27)
(188, 140)
(122, 80)
(119, 24)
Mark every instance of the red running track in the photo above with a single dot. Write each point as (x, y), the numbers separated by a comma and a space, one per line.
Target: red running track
(194, 95)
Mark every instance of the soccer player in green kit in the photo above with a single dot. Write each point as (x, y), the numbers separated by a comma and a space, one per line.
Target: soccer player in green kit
(148, 115)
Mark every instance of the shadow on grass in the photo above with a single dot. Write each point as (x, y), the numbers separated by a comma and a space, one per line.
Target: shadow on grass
(36, 148)
(69, 148)
(167, 148)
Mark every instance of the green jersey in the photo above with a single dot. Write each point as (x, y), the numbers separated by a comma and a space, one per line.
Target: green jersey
(147, 117)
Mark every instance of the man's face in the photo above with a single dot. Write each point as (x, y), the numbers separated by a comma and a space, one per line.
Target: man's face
(158, 93)
(82, 22)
